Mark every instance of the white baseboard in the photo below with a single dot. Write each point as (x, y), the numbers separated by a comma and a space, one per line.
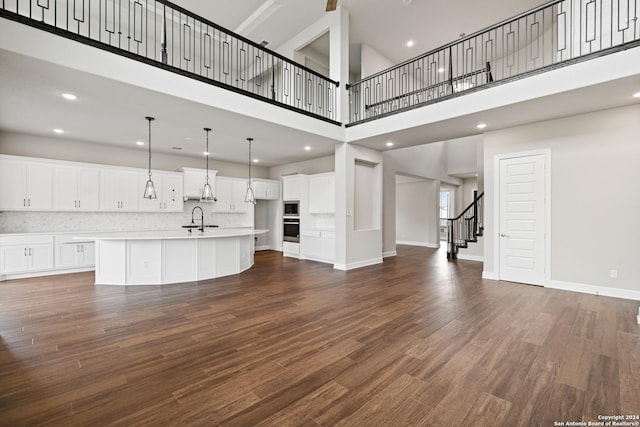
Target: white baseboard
(422, 244)
(44, 273)
(263, 248)
(389, 254)
(595, 290)
(470, 257)
(358, 264)
(489, 275)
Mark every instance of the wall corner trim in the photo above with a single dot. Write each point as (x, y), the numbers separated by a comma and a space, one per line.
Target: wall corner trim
(358, 264)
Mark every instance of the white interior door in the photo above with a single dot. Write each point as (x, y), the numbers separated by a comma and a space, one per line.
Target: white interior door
(522, 219)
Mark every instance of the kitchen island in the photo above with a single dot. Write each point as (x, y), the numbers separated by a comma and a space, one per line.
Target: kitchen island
(171, 256)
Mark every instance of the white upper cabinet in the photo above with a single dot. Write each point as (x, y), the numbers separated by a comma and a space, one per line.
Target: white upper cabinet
(120, 190)
(266, 189)
(292, 186)
(25, 185)
(230, 193)
(322, 193)
(169, 192)
(194, 180)
(76, 188)
(172, 192)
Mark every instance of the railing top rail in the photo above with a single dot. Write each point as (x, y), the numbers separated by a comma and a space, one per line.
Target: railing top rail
(467, 209)
(462, 40)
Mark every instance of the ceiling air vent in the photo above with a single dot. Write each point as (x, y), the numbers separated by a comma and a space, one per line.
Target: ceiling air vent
(264, 43)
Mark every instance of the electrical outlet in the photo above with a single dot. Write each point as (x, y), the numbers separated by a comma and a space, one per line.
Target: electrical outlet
(613, 274)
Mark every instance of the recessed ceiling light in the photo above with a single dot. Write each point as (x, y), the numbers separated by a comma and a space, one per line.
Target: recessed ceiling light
(255, 160)
(69, 96)
(481, 125)
(206, 153)
(441, 70)
(139, 143)
(636, 95)
(410, 43)
(389, 144)
(176, 148)
(307, 148)
(58, 131)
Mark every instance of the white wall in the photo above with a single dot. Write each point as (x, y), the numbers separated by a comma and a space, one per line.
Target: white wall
(416, 222)
(356, 248)
(19, 144)
(594, 197)
(462, 155)
(372, 61)
(309, 167)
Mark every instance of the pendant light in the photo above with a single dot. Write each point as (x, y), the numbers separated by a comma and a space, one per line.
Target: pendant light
(207, 192)
(149, 188)
(249, 197)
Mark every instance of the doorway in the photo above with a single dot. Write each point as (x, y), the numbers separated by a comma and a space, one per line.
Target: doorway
(523, 217)
(447, 209)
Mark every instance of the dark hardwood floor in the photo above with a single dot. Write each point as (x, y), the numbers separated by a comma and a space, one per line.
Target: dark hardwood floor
(414, 341)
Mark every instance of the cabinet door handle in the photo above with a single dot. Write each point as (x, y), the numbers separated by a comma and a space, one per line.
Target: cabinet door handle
(165, 205)
(25, 251)
(29, 202)
(29, 251)
(78, 203)
(24, 203)
(82, 248)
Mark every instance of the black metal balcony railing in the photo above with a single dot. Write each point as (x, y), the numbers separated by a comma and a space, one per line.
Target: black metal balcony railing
(162, 34)
(557, 33)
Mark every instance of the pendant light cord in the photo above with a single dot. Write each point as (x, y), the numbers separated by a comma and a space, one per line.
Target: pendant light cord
(207, 131)
(149, 119)
(249, 139)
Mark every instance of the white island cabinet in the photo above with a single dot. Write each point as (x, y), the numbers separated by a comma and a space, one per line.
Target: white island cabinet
(163, 257)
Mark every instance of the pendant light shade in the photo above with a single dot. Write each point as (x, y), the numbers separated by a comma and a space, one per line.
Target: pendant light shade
(249, 197)
(207, 192)
(149, 188)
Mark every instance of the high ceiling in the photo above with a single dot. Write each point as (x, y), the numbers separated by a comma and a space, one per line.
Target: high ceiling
(29, 88)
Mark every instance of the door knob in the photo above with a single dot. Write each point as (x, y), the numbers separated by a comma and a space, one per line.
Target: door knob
(504, 235)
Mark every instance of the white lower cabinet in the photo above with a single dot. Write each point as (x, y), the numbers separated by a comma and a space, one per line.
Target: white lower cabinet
(291, 249)
(75, 255)
(26, 254)
(318, 245)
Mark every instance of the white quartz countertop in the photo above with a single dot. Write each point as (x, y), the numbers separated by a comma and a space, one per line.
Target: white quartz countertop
(209, 233)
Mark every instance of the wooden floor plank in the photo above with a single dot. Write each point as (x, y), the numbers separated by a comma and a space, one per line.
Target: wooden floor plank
(414, 341)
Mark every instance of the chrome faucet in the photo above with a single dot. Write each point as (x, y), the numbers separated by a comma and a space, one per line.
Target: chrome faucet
(201, 218)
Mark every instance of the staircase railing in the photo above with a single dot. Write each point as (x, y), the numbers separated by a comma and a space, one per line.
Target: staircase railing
(466, 227)
(165, 35)
(554, 34)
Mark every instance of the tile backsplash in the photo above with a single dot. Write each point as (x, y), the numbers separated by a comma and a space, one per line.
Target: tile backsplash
(44, 222)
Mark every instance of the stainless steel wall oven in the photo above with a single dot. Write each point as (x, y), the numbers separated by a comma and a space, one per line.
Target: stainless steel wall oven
(291, 229)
